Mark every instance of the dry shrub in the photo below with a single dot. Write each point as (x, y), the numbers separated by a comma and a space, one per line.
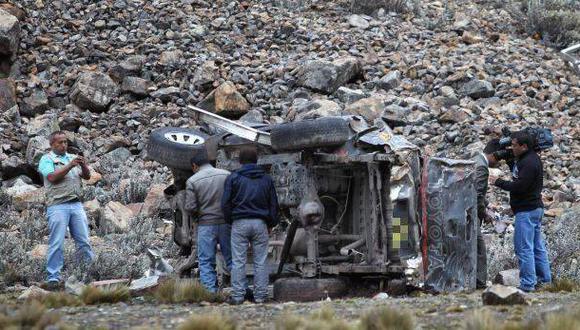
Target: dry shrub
(176, 291)
(560, 321)
(207, 322)
(32, 315)
(94, 296)
(556, 21)
(386, 318)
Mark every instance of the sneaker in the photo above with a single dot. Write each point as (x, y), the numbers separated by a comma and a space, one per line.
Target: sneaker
(52, 286)
(235, 302)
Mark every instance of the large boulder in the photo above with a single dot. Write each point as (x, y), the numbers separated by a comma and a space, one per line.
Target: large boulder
(503, 295)
(37, 146)
(205, 75)
(326, 77)
(94, 91)
(115, 217)
(42, 125)
(155, 201)
(226, 101)
(369, 108)
(25, 196)
(13, 166)
(7, 95)
(35, 104)
(303, 109)
(113, 160)
(9, 34)
(510, 277)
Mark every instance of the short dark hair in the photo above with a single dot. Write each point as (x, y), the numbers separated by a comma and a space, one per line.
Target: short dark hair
(200, 157)
(523, 138)
(491, 147)
(53, 135)
(248, 155)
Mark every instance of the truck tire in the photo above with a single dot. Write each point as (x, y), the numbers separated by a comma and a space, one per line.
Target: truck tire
(174, 146)
(321, 132)
(308, 289)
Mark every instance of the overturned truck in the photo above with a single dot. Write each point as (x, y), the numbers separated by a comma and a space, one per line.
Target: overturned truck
(357, 203)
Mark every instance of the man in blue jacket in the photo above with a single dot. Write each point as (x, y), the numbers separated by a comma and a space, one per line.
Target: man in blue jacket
(250, 203)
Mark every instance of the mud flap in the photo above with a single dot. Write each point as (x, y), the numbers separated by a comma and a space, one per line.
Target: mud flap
(451, 221)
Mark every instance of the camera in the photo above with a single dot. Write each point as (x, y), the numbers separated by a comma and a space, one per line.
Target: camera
(542, 139)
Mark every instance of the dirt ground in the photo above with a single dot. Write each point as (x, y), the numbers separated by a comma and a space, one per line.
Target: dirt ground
(431, 312)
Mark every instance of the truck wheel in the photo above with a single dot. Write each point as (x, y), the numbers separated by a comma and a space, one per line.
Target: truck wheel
(308, 289)
(174, 146)
(321, 132)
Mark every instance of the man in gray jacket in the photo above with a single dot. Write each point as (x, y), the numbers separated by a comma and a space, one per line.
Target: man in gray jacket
(483, 161)
(204, 192)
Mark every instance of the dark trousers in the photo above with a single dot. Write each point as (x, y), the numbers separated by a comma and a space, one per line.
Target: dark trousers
(481, 260)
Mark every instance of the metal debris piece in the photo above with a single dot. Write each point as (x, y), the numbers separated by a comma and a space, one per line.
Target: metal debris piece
(143, 284)
(572, 60)
(159, 266)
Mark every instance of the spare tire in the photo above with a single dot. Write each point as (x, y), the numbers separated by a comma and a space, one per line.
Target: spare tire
(309, 289)
(316, 133)
(174, 146)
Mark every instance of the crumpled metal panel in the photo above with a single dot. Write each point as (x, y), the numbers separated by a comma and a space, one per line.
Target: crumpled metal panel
(451, 251)
(386, 137)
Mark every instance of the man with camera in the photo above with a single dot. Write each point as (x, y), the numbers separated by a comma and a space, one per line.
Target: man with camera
(526, 203)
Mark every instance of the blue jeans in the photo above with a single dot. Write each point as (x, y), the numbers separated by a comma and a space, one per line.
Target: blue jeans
(531, 249)
(254, 232)
(61, 216)
(208, 237)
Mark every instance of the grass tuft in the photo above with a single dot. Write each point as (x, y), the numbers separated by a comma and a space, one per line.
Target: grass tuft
(323, 319)
(94, 296)
(32, 315)
(207, 322)
(562, 285)
(386, 318)
(176, 291)
(57, 300)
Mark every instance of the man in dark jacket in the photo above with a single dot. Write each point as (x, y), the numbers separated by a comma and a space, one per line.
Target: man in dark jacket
(526, 203)
(483, 161)
(251, 205)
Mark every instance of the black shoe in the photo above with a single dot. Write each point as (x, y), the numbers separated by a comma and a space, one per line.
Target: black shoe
(235, 302)
(52, 286)
(249, 296)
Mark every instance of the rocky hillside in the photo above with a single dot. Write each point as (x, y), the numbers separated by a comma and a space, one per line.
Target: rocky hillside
(109, 72)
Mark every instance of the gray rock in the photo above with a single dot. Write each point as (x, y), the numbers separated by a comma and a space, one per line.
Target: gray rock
(7, 95)
(347, 95)
(35, 104)
(327, 77)
(113, 160)
(503, 295)
(395, 115)
(136, 86)
(130, 67)
(94, 91)
(37, 146)
(205, 75)
(477, 89)
(42, 125)
(317, 109)
(391, 80)
(115, 217)
(17, 180)
(171, 58)
(510, 277)
(366, 6)
(9, 34)
(253, 116)
(165, 94)
(358, 22)
(197, 31)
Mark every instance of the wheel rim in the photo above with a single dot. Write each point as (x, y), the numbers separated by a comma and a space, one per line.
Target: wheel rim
(184, 138)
